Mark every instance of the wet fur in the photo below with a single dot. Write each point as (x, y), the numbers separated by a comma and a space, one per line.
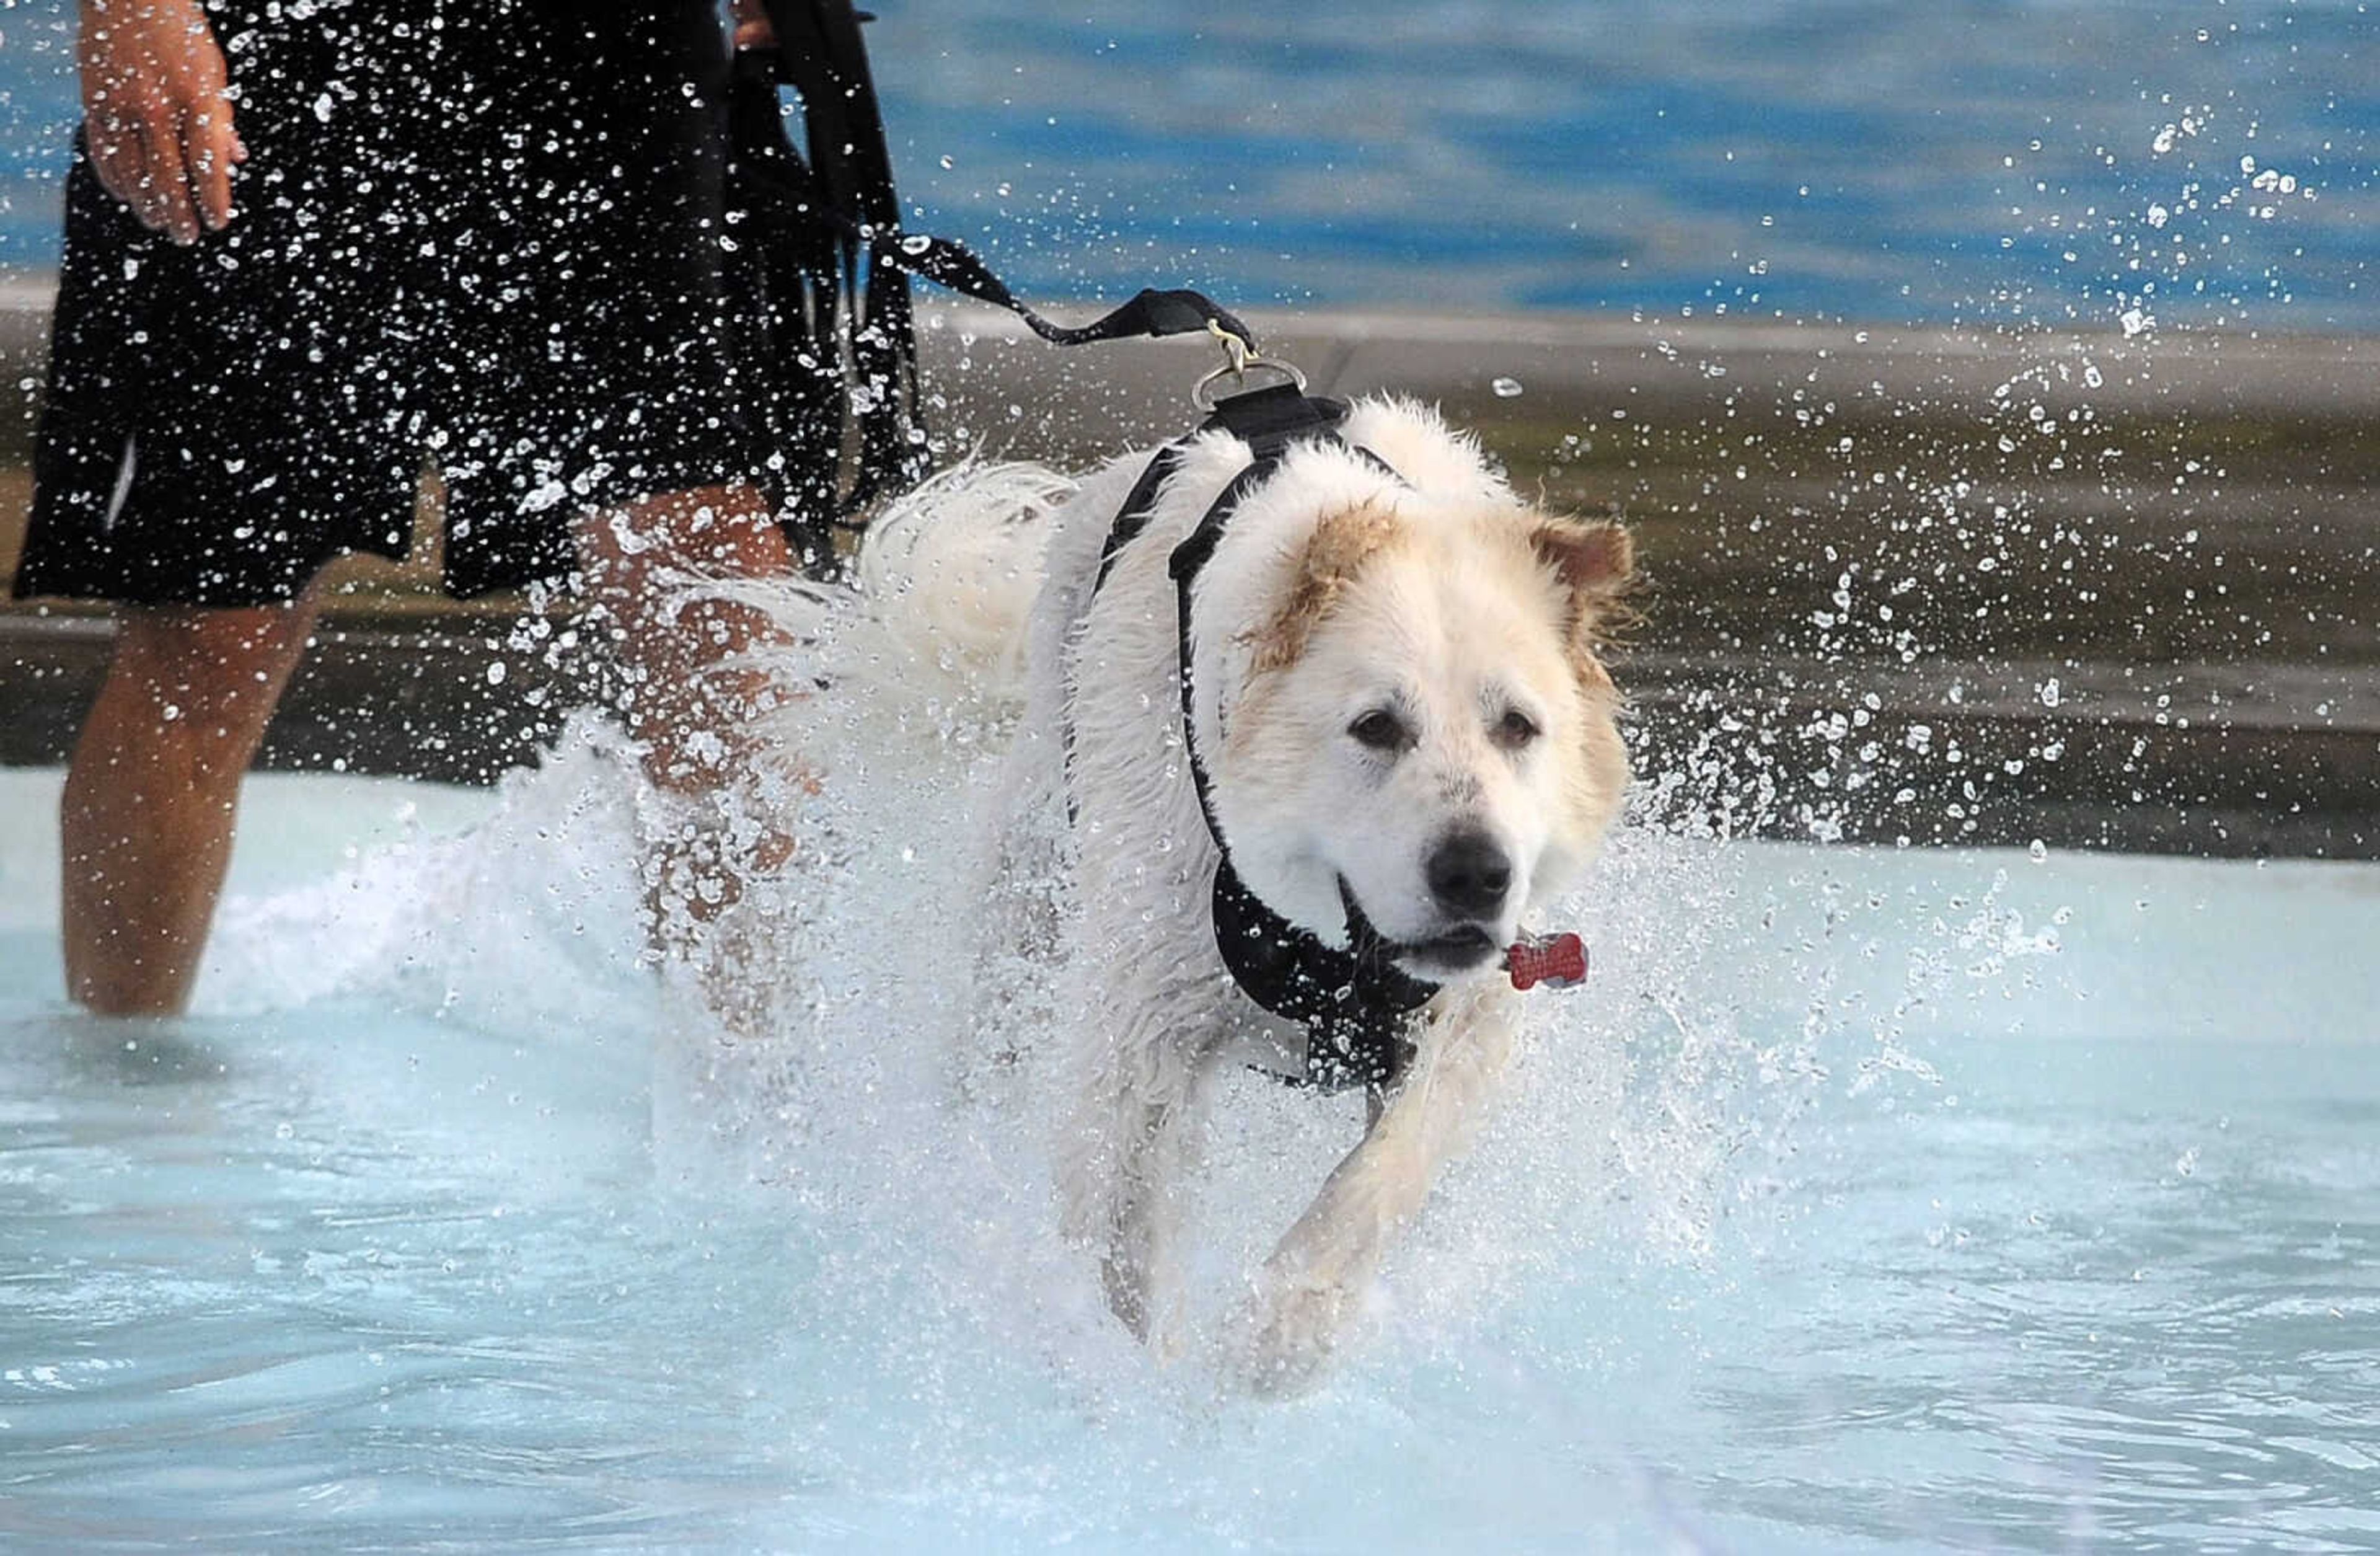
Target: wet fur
(1334, 585)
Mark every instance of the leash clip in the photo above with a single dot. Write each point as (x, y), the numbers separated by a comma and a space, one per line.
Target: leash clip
(1239, 358)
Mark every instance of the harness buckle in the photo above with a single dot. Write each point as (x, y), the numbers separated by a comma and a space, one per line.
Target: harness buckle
(1239, 358)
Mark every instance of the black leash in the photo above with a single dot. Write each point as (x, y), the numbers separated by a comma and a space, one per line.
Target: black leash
(821, 56)
(830, 267)
(1152, 313)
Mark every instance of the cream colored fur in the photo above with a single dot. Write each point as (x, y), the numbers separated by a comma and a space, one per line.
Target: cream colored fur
(1337, 590)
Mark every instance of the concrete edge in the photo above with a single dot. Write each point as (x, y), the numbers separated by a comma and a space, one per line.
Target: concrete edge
(2288, 765)
(1759, 750)
(1598, 356)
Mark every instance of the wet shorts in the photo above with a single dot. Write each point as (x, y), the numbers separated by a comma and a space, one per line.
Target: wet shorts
(482, 235)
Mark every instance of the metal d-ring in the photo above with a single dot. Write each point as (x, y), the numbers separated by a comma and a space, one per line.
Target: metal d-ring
(1239, 358)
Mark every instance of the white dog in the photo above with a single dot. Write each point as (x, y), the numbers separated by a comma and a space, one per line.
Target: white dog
(1398, 741)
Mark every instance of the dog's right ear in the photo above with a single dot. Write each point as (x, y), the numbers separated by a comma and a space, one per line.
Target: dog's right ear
(1338, 546)
(1597, 562)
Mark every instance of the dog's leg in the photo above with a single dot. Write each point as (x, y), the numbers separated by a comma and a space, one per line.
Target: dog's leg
(1136, 1245)
(1311, 1286)
(1018, 874)
(1127, 1148)
(1014, 962)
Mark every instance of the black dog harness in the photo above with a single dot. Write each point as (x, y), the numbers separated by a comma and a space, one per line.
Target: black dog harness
(1357, 1006)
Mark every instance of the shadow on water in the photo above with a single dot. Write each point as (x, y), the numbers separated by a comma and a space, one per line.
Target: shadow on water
(166, 1053)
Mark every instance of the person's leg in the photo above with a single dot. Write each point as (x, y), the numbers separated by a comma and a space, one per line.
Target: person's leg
(146, 818)
(689, 704)
(684, 701)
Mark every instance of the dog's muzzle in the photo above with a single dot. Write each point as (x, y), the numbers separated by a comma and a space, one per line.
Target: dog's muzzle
(1461, 949)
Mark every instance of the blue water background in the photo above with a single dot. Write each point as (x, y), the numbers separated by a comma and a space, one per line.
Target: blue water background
(1980, 161)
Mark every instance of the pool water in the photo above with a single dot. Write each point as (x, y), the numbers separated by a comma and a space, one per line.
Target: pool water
(1867, 1201)
(2068, 164)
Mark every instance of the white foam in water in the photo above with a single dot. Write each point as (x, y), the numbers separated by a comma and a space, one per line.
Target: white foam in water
(527, 920)
(1856, 1203)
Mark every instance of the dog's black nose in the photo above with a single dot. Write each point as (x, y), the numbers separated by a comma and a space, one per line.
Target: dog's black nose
(1469, 875)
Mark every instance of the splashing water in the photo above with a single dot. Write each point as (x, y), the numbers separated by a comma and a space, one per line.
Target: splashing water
(1831, 1213)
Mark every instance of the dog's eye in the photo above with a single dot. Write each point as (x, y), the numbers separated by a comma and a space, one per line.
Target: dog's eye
(1515, 729)
(1380, 731)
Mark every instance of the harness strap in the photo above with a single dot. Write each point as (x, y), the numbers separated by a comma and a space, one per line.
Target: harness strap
(1267, 420)
(1355, 1003)
(1139, 504)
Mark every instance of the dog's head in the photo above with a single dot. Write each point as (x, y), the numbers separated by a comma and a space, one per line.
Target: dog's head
(1424, 728)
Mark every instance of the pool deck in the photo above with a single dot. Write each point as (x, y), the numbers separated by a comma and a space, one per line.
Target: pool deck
(1942, 585)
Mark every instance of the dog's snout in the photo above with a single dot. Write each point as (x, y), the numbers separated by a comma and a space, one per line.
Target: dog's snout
(1469, 875)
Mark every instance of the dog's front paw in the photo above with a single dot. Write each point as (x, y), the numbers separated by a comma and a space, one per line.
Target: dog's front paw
(1280, 1341)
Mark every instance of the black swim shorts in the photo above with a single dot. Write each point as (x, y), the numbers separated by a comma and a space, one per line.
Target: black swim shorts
(479, 234)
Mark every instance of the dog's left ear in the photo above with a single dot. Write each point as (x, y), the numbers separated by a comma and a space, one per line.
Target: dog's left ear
(1597, 562)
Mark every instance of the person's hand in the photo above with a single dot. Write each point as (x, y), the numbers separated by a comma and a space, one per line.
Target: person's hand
(154, 113)
(752, 29)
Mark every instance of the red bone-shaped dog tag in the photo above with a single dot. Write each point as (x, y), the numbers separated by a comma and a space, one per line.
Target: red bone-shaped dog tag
(1557, 961)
